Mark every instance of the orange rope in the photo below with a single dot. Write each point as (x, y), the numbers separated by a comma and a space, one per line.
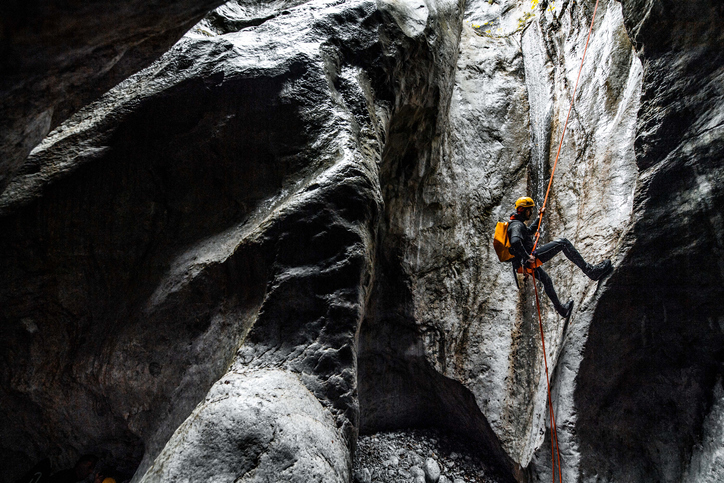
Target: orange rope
(554, 431)
(554, 435)
(565, 125)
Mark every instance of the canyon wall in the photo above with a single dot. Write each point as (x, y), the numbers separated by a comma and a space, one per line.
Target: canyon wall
(278, 234)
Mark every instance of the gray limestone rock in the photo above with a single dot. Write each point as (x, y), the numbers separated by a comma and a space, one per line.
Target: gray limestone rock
(245, 201)
(657, 319)
(363, 476)
(256, 426)
(278, 235)
(432, 470)
(58, 56)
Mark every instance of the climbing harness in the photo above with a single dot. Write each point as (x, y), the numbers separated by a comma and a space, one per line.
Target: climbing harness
(530, 267)
(555, 455)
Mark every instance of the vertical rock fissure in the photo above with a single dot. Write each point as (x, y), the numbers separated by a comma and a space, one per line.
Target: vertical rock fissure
(540, 100)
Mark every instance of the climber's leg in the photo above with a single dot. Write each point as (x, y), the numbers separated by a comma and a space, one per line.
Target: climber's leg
(550, 250)
(563, 310)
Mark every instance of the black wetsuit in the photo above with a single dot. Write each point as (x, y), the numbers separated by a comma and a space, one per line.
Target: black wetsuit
(521, 239)
(521, 245)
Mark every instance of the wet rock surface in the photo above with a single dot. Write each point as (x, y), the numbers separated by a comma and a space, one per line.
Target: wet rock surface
(435, 456)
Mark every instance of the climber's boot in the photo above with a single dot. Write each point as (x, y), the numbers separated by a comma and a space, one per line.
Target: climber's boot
(565, 309)
(598, 271)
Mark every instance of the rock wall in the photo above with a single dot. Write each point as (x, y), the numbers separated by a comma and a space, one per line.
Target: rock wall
(200, 198)
(656, 334)
(510, 99)
(278, 235)
(58, 56)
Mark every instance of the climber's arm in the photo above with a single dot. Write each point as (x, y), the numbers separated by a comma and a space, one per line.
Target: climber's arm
(517, 247)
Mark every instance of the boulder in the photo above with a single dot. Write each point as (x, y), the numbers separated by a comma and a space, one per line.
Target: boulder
(432, 471)
(257, 426)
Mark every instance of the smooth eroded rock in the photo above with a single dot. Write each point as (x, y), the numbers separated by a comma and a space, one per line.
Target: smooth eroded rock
(257, 426)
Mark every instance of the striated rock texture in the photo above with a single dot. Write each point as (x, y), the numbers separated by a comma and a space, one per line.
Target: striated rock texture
(279, 235)
(55, 57)
(479, 328)
(212, 194)
(657, 333)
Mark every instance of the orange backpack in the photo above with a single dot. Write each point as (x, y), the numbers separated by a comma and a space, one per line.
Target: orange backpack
(501, 242)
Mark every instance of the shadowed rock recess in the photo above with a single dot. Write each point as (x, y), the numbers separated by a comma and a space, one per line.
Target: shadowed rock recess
(276, 235)
(56, 57)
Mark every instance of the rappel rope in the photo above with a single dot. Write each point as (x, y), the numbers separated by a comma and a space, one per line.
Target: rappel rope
(556, 455)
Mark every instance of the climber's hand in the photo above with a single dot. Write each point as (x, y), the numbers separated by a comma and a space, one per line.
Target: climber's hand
(527, 261)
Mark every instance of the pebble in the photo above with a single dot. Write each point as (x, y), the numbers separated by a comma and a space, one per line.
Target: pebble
(421, 456)
(415, 458)
(363, 476)
(432, 470)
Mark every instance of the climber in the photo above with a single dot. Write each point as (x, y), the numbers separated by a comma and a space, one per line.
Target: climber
(521, 246)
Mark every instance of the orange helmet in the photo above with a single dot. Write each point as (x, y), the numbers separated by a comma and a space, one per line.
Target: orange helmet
(524, 202)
